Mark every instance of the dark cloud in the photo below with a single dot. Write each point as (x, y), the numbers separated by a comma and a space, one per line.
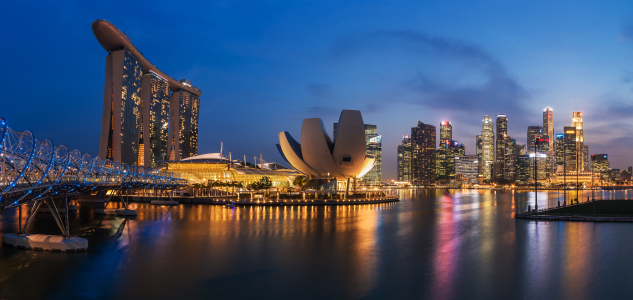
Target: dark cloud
(495, 91)
(320, 90)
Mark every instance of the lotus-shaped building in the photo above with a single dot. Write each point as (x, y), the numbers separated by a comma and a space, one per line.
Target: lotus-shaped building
(318, 156)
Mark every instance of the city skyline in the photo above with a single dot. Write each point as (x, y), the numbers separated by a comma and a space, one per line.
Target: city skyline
(261, 69)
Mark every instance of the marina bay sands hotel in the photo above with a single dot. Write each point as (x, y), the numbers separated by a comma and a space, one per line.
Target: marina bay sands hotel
(147, 116)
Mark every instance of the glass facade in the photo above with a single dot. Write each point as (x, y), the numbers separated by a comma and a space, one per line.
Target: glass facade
(487, 158)
(188, 129)
(203, 172)
(404, 160)
(374, 147)
(158, 119)
(423, 147)
(500, 145)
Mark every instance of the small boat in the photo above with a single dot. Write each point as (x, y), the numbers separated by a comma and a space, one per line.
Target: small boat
(230, 204)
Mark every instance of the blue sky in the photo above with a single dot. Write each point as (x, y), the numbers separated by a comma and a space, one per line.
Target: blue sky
(263, 66)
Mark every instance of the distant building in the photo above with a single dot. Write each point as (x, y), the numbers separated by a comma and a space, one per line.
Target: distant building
(467, 166)
(486, 148)
(548, 129)
(614, 174)
(445, 159)
(374, 147)
(522, 173)
(500, 146)
(560, 149)
(510, 158)
(587, 161)
(600, 165)
(576, 122)
(446, 133)
(423, 154)
(569, 159)
(404, 160)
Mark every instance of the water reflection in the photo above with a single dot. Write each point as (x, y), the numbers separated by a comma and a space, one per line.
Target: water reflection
(460, 245)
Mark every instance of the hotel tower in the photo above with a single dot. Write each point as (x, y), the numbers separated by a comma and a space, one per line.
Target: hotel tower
(148, 116)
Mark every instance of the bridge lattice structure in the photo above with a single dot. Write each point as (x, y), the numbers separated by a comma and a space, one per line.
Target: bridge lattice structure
(37, 170)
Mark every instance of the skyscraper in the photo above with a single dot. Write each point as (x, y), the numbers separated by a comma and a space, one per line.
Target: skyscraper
(423, 154)
(121, 122)
(548, 129)
(155, 129)
(487, 159)
(585, 155)
(560, 152)
(600, 165)
(374, 147)
(136, 127)
(500, 146)
(510, 155)
(445, 159)
(404, 159)
(569, 159)
(446, 132)
(576, 121)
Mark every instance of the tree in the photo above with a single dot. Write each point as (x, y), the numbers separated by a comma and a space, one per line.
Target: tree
(263, 184)
(299, 181)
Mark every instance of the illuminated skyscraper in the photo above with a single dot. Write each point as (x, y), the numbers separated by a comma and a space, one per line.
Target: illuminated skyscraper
(374, 147)
(548, 129)
(487, 157)
(121, 122)
(510, 155)
(600, 165)
(183, 132)
(570, 143)
(500, 146)
(559, 152)
(155, 94)
(522, 173)
(576, 121)
(141, 120)
(585, 155)
(423, 154)
(446, 133)
(404, 159)
(445, 159)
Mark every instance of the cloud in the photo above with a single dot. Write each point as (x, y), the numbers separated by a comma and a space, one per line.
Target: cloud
(320, 90)
(321, 112)
(448, 74)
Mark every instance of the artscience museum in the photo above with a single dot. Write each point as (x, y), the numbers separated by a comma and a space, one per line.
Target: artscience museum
(325, 160)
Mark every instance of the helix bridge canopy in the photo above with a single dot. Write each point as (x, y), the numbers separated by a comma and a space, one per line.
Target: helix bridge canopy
(33, 169)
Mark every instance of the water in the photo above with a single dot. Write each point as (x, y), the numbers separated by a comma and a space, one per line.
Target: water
(466, 245)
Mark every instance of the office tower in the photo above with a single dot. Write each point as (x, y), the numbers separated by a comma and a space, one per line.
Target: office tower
(404, 160)
(576, 121)
(585, 155)
(569, 159)
(183, 132)
(600, 165)
(487, 160)
(630, 169)
(121, 122)
(155, 125)
(445, 159)
(522, 173)
(548, 129)
(509, 158)
(423, 154)
(559, 151)
(446, 133)
(374, 147)
(534, 133)
(502, 132)
(467, 166)
(614, 174)
(136, 128)
(539, 141)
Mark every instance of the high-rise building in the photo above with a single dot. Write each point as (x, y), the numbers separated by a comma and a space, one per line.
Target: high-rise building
(467, 166)
(423, 154)
(600, 164)
(155, 126)
(404, 160)
(487, 156)
(569, 159)
(538, 140)
(135, 104)
(374, 147)
(500, 146)
(586, 156)
(446, 133)
(522, 173)
(576, 122)
(509, 158)
(559, 151)
(548, 129)
(445, 159)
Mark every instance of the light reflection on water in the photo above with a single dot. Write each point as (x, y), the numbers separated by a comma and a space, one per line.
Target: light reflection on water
(429, 245)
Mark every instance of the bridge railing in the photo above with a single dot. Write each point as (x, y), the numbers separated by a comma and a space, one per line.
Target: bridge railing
(32, 169)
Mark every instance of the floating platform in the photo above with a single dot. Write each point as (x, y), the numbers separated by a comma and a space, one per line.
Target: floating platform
(593, 211)
(62, 209)
(115, 211)
(48, 242)
(164, 202)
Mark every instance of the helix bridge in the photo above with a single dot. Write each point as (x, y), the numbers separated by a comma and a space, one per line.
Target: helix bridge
(37, 171)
